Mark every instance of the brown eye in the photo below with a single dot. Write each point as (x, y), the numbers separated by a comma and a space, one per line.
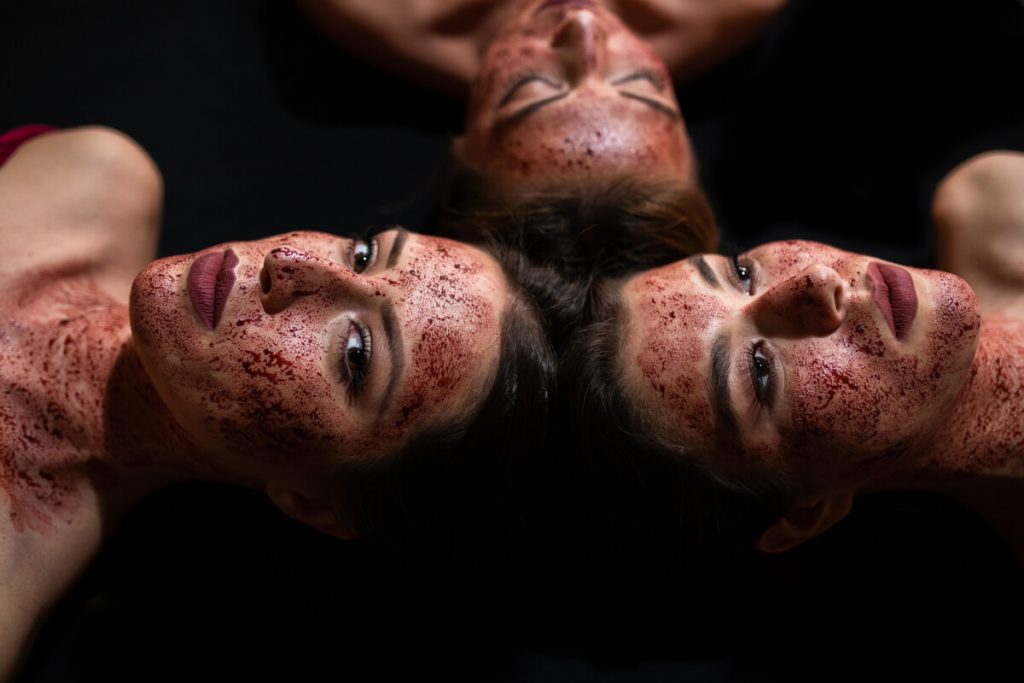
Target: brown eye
(364, 254)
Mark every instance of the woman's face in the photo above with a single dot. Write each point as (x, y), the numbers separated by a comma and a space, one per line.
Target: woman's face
(566, 91)
(283, 355)
(797, 359)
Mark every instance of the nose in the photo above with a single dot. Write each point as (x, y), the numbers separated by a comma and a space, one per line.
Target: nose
(582, 40)
(290, 275)
(811, 302)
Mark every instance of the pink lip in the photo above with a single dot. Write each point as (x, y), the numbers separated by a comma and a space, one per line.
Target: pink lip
(210, 280)
(894, 293)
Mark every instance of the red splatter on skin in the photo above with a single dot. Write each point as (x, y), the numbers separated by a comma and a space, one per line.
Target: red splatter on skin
(267, 389)
(73, 404)
(850, 400)
(599, 128)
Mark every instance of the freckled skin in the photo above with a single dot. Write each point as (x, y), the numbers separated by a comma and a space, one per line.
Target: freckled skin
(853, 402)
(264, 392)
(594, 131)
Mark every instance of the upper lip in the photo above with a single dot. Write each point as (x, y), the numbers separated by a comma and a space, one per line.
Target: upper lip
(209, 283)
(895, 296)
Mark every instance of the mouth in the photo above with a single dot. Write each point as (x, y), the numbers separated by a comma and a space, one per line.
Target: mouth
(895, 296)
(210, 280)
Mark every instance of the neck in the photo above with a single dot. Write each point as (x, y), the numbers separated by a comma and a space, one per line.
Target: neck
(985, 434)
(82, 421)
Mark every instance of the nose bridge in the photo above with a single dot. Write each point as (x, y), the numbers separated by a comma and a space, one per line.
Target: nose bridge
(812, 301)
(582, 40)
(291, 274)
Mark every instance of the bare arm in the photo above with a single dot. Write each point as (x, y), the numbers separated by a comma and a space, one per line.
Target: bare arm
(979, 217)
(87, 198)
(692, 36)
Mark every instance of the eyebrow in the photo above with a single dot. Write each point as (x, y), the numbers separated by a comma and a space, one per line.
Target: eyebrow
(719, 386)
(396, 247)
(706, 272)
(397, 351)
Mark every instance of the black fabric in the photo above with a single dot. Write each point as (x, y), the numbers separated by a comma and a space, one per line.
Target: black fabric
(836, 126)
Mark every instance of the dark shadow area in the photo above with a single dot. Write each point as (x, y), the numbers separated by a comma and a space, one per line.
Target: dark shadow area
(835, 127)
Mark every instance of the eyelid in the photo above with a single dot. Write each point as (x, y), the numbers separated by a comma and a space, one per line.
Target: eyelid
(645, 74)
(519, 80)
(749, 264)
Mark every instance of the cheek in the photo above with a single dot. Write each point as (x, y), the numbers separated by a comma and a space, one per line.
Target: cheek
(854, 400)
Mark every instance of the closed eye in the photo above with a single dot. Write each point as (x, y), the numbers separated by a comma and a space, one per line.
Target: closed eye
(521, 81)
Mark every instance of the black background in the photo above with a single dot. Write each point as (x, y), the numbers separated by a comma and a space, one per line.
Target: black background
(836, 126)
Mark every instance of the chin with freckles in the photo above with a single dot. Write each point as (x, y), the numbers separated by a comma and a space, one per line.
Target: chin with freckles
(284, 356)
(566, 93)
(796, 363)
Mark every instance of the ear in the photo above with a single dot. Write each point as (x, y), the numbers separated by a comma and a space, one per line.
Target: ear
(313, 512)
(805, 521)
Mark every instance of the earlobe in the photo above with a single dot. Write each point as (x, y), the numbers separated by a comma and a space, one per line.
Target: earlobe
(459, 148)
(805, 521)
(312, 512)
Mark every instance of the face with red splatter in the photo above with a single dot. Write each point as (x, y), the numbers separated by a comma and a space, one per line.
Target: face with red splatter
(295, 351)
(567, 93)
(797, 362)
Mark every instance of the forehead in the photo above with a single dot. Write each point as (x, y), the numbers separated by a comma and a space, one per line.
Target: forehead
(669, 324)
(450, 299)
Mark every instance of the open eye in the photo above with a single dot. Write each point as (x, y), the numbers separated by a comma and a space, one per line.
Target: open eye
(760, 363)
(356, 352)
(744, 275)
(363, 255)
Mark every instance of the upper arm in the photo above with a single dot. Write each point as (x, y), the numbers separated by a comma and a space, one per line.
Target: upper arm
(89, 196)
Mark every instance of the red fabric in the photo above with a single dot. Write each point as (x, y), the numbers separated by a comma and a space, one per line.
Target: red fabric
(14, 138)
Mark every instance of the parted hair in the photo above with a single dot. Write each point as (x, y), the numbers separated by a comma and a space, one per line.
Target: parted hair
(602, 228)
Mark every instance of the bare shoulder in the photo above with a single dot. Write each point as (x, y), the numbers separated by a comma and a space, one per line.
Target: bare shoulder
(978, 210)
(435, 43)
(89, 196)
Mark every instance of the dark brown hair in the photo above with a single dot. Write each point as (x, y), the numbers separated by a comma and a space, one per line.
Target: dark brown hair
(604, 228)
(461, 492)
(649, 502)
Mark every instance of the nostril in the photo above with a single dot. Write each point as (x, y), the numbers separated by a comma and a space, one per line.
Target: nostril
(264, 280)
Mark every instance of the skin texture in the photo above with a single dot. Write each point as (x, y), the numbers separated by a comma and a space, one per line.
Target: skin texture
(266, 392)
(851, 405)
(614, 110)
(114, 388)
(440, 43)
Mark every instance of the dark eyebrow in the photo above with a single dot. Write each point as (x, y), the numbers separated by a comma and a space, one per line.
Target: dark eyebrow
(654, 104)
(725, 418)
(706, 272)
(518, 116)
(396, 247)
(397, 349)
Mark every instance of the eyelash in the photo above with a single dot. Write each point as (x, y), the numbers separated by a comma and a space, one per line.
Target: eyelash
(654, 77)
(372, 243)
(757, 362)
(517, 80)
(355, 377)
(743, 275)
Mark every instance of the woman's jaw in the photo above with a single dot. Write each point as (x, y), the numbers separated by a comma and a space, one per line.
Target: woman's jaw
(283, 356)
(803, 379)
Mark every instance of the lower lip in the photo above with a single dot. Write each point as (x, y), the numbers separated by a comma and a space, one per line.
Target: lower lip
(895, 296)
(210, 280)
